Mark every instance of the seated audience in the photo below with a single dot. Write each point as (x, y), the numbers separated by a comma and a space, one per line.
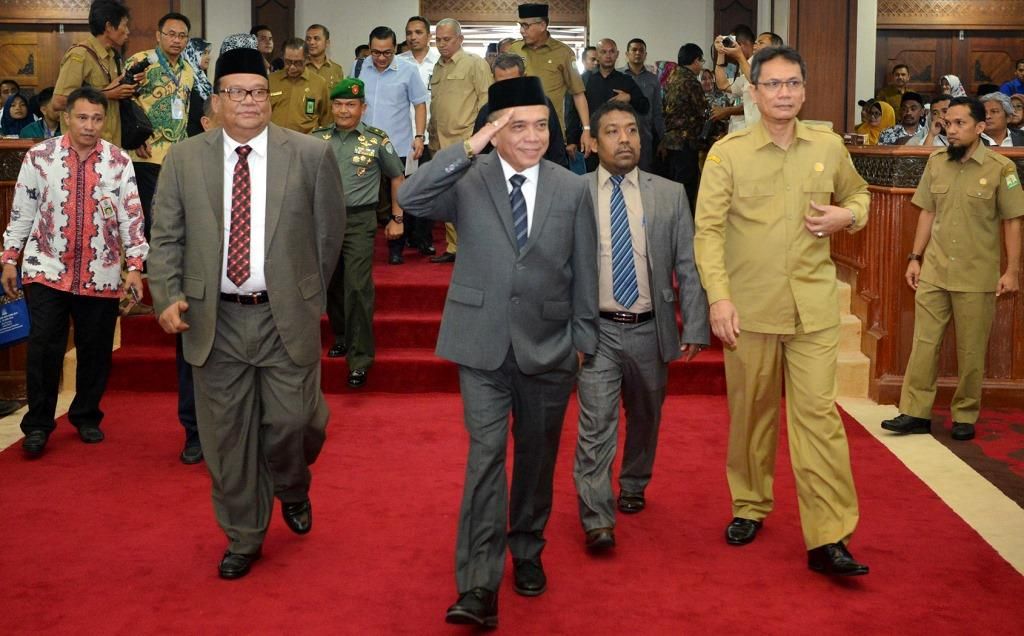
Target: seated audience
(951, 85)
(15, 115)
(937, 122)
(1017, 119)
(998, 111)
(1016, 85)
(47, 126)
(880, 116)
(909, 128)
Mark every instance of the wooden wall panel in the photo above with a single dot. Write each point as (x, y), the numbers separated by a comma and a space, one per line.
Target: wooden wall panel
(730, 13)
(981, 57)
(825, 33)
(950, 14)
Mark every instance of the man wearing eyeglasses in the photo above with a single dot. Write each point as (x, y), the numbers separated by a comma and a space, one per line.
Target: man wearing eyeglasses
(555, 64)
(764, 218)
(249, 220)
(164, 94)
(299, 97)
(392, 87)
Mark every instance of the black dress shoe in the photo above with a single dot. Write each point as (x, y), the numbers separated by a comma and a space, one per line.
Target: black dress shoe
(34, 443)
(447, 257)
(427, 250)
(298, 516)
(600, 539)
(631, 502)
(476, 607)
(963, 432)
(235, 566)
(529, 577)
(8, 406)
(357, 377)
(90, 434)
(741, 531)
(904, 424)
(395, 259)
(338, 350)
(191, 454)
(834, 559)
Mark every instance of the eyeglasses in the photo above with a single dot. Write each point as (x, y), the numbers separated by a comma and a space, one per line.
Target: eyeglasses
(174, 36)
(295, 62)
(376, 53)
(773, 86)
(526, 25)
(238, 94)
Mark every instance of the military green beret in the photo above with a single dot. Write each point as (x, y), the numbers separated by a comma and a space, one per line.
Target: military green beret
(349, 88)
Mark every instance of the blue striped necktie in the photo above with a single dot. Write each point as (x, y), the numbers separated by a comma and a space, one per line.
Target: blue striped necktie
(518, 202)
(624, 287)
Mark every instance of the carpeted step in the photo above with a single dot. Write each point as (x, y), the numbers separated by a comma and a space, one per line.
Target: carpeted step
(405, 370)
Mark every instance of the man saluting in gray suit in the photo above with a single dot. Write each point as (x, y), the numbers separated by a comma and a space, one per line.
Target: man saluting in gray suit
(248, 223)
(519, 319)
(645, 231)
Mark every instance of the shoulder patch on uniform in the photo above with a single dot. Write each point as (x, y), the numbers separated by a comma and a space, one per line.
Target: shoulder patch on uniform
(377, 131)
(1012, 181)
(325, 132)
(714, 158)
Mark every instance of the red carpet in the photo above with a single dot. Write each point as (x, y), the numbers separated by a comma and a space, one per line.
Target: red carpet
(409, 301)
(997, 451)
(119, 538)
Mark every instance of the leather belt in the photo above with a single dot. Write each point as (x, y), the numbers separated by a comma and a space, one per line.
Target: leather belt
(252, 298)
(625, 316)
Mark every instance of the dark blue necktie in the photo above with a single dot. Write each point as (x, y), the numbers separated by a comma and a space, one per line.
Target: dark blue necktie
(624, 287)
(518, 202)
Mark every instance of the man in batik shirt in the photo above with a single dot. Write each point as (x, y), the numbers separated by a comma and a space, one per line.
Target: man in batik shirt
(686, 111)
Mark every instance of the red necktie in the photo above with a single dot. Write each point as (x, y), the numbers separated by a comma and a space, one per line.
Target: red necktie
(238, 241)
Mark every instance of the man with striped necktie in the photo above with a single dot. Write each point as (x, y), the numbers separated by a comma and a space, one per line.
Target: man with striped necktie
(645, 233)
(519, 319)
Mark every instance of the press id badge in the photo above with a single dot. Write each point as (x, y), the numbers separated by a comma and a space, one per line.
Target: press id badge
(107, 209)
(310, 105)
(177, 108)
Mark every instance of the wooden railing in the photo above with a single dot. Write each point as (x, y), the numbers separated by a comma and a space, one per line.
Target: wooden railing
(874, 260)
(12, 359)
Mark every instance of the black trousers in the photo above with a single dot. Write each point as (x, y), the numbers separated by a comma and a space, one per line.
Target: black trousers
(417, 232)
(684, 168)
(186, 396)
(95, 319)
(146, 175)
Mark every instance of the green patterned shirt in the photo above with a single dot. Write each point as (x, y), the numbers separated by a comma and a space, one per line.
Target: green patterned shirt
(157, 94)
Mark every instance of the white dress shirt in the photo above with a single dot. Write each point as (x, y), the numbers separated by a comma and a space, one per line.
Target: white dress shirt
(257, 159)
(529, 188)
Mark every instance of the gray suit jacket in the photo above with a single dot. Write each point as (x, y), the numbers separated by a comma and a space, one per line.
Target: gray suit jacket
(305, 220)
(668, 228)
(543, 301)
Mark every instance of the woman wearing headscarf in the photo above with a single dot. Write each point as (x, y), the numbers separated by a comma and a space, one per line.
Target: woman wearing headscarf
(880, 116)
(951, 85)
(197, 55)
(15, 115)
(1017, 119)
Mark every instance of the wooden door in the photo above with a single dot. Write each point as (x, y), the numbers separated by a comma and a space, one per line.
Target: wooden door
(279, 15)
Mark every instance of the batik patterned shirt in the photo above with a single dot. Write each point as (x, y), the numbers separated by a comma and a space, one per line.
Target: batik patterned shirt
(686, 109)
(164, 94)
(73, 219)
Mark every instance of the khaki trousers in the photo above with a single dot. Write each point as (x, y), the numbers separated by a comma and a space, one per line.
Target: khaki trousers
(754, 372)
(452, 237)
(972, 314)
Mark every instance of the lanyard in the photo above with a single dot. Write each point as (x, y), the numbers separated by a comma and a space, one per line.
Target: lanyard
(167, 68)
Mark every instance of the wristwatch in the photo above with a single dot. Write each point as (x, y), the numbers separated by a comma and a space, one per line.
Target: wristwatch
(398, 219)
(914, 257)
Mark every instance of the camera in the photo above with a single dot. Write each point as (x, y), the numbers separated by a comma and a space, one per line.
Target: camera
(135, 69)
(728, 41)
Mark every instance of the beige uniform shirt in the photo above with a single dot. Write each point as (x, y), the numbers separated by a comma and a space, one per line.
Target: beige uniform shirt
(970, 200)
(78, 68)
(331, 72)
(635, 213)
(751, 245)
(458, 88)
(301, 104)
(555, 64)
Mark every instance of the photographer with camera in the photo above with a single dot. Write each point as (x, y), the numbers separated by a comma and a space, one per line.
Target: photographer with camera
(97, 63)
(740, 48)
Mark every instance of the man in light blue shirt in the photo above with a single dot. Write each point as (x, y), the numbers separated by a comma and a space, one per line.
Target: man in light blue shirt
(392, 86)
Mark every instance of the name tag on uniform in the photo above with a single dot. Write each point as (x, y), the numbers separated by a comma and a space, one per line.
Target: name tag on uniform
(310, 105)
(177, 108)
(107, 209)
